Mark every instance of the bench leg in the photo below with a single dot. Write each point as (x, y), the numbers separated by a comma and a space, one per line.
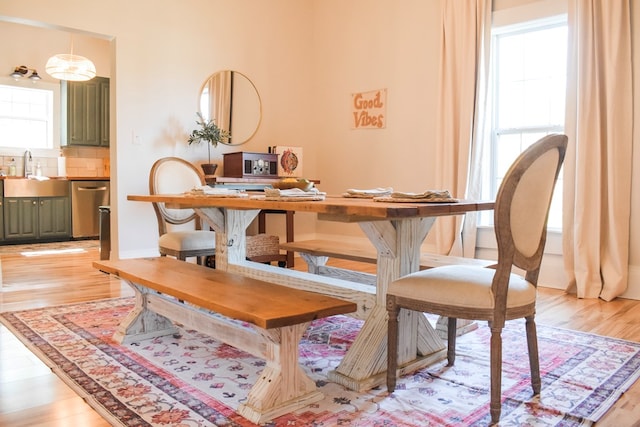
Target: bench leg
(142, 323)
(314, 262)
(283, 386)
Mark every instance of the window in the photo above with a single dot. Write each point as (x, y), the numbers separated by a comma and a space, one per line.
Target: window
(528, 81)
(27, 116)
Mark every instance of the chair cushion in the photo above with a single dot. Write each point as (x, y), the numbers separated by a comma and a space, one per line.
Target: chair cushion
(190, 240)
(461, 286)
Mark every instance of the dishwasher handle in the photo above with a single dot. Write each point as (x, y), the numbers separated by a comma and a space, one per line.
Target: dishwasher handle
(102, 188)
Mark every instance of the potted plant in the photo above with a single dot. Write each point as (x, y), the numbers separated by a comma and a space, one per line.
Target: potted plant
(210, 133)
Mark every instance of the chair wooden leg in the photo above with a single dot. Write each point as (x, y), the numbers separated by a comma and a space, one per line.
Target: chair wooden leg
(451, 340)
(392, 343)
(534, 360)
(496, 374)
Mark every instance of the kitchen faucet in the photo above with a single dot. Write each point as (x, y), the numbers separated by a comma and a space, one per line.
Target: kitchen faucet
(28, 163)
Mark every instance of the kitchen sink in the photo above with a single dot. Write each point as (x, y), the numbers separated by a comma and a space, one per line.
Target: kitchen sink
(35, 188)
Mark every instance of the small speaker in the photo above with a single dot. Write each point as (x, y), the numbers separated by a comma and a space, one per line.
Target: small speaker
(257, 165)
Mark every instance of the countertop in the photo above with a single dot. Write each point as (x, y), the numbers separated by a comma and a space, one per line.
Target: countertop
(68, 178)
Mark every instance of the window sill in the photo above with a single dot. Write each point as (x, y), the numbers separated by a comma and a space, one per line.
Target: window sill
(486, 239)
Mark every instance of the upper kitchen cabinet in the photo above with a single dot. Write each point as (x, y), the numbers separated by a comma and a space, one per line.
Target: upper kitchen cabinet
(85, 112)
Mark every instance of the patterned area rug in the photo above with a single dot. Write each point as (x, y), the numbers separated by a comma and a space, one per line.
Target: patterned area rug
(193, 380)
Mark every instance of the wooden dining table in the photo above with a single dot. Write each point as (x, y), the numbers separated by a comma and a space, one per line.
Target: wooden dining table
(396, 230)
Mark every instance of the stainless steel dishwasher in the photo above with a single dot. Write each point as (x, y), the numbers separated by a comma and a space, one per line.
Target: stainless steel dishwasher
(86, 199)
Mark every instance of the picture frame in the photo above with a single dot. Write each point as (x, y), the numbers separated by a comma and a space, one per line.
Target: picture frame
(290, 163)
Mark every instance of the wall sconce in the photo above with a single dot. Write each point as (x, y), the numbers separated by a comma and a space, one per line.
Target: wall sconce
(22, 71)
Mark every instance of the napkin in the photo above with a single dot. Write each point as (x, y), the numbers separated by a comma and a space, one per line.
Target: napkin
(429, 196)
(368, 194)
(293, 194)
(216, 191)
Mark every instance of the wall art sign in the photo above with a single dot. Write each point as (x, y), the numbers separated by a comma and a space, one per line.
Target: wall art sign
(289, 161)
(369, 109)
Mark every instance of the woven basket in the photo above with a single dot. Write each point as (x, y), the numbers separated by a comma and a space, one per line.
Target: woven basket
(262, 244)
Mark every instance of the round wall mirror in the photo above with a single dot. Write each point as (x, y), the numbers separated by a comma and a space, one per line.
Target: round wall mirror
(232, 100)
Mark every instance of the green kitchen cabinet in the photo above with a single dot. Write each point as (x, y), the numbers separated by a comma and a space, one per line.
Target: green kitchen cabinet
(54, 217)
(2, 210)
(36, 218)
(85, 112)
(20, 218)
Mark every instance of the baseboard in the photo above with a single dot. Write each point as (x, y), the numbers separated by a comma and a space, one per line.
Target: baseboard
(633, 289)
(140, 253)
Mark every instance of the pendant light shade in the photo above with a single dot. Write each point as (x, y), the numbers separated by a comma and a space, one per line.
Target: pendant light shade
(65, 66)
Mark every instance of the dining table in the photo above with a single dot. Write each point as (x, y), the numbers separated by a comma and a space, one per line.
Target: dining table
(396, 230)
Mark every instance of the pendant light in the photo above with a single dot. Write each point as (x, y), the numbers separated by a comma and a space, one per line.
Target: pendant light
(67, 66)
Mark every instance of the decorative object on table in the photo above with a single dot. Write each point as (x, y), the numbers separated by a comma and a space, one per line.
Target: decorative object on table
(369, 109)
(244, 164)
(210, 133)
(289, 161)
(289, 183)
(293, 194)
(206, 190)
(192, 379)
(429, 196)
(368, 194)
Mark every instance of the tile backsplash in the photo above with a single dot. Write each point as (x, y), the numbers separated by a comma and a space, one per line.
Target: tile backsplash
(79, 161)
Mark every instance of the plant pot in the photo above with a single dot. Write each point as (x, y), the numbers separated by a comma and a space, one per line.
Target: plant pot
(209, 168)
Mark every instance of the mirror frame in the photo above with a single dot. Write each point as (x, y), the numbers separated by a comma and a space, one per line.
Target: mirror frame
(259, 106)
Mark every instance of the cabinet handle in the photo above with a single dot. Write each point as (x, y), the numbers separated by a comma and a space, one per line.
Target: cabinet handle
(34, 202)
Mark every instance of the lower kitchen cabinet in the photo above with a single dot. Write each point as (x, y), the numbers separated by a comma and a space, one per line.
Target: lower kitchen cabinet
(36, 218)
(2, 210)
(20, 218)
(54, 217)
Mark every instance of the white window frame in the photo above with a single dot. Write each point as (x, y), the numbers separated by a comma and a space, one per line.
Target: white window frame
(535, 14)
(54, 126)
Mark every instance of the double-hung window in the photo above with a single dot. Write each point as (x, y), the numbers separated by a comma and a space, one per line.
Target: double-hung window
(28, 117)
(527, 87)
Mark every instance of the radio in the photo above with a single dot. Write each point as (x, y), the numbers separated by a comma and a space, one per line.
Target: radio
(250, 165)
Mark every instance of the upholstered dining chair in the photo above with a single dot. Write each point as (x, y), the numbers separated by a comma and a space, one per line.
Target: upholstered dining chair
(172, 175)
(493, 294)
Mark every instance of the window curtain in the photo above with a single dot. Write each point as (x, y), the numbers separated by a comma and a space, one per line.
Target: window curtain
(220, 86)
(464, 66)
(597, 168)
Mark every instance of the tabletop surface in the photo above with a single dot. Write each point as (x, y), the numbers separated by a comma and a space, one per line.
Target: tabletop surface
(332, 205)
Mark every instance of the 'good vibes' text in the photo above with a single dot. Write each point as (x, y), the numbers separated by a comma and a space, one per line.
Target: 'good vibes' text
(369, 109)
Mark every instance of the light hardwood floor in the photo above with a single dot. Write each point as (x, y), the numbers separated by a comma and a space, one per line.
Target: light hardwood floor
(31, 395)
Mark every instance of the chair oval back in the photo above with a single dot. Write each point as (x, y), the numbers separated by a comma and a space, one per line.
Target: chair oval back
(172, 175)
(523, 202)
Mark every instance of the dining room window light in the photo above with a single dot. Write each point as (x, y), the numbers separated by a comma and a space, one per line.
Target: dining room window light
(527, 85)
(26, 117)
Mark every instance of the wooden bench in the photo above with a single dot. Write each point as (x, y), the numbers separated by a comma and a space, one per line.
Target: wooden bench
(169, 290)
(316, 253)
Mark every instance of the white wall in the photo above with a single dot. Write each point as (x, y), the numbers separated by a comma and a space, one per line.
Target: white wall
(363, 45)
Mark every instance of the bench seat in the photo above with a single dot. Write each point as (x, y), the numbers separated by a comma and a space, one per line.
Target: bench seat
(169, 290)
(317, 252)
